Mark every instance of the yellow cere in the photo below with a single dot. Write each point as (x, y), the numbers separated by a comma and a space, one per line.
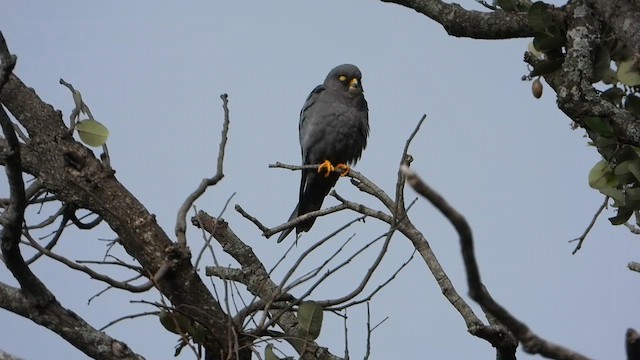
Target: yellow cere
(342, 78)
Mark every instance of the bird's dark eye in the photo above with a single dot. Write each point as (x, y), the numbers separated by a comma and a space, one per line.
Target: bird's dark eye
(342, 78)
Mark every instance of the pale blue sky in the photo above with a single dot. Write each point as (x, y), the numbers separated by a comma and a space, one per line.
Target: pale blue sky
(152, 72)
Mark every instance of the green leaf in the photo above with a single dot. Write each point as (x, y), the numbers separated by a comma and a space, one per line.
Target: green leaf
(632, 104)
(599, 125)
(310, 318)
(92, 132)
(174, 322)
(545, 43)
(623, 173)
(602, 64)
(609, 77)
(621, 217)
(634, 168)
(539, 16)
(198, 332)
(633, 195)
(613, 95)
(532, 49)
(615, 194)
(269, 354)
(179, 348)
(599, 175)
(628, 73)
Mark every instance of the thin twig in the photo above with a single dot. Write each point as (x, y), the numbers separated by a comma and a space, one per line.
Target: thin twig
(266, 232)
(634, 229)
(256, 305)
(377, 289)
(128, 317)
(104, 278)
(580, 239)
(346, 337)
(368, 348)
(181, 221)
(405, 159)
(314, 272)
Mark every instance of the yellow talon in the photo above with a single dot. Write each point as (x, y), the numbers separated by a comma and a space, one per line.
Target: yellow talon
(343, 168)
(326, 166)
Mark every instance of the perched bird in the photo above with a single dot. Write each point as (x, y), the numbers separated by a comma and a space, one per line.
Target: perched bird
(334, 125)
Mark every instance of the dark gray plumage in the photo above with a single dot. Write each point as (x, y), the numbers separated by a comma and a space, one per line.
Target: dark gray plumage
(334, 125)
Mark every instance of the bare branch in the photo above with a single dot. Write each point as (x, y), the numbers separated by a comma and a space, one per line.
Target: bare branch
(405, 159)
(530, 341)
(128, 317)
(377, 289)
(207, 239)
(460, 22)
(262, 285)
(67, 324)
(13, 216)
(266, 232)
(181, 221)
(581, 238)
(632, 228)
(365, 279)
(420, 243)
(8, 62)
(304, 255)
(95, 275)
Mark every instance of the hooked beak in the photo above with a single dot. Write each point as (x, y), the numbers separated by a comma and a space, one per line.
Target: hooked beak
(354, 84)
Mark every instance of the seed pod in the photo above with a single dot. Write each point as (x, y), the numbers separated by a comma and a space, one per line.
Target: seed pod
(536, 88)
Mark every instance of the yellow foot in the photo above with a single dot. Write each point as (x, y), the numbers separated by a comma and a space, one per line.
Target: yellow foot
(343, 168)
(326, 166)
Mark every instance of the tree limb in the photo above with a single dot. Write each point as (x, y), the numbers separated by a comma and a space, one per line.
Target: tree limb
(531, 342)
(67, 324)
(261, 284)
(71, 171)
(460, 22)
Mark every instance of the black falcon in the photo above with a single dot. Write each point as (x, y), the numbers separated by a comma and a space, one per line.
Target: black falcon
(334, 125)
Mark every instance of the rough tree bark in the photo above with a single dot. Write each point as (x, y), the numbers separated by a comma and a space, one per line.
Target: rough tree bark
(79, 180)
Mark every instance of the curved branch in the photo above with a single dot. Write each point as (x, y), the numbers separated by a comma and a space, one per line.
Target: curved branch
(460, 22)
(261, 284)
(577, 98)
(13, 217)
(67, 324)
(69, 170)
(531, 342)
(181, 221)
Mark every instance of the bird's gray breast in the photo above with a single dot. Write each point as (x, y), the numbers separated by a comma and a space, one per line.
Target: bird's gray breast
(334, 129)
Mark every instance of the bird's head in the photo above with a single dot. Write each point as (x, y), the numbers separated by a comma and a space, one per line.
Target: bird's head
(345, 77)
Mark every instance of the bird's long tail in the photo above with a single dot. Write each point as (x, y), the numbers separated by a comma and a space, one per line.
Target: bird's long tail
(315, 190)
(285, 233)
